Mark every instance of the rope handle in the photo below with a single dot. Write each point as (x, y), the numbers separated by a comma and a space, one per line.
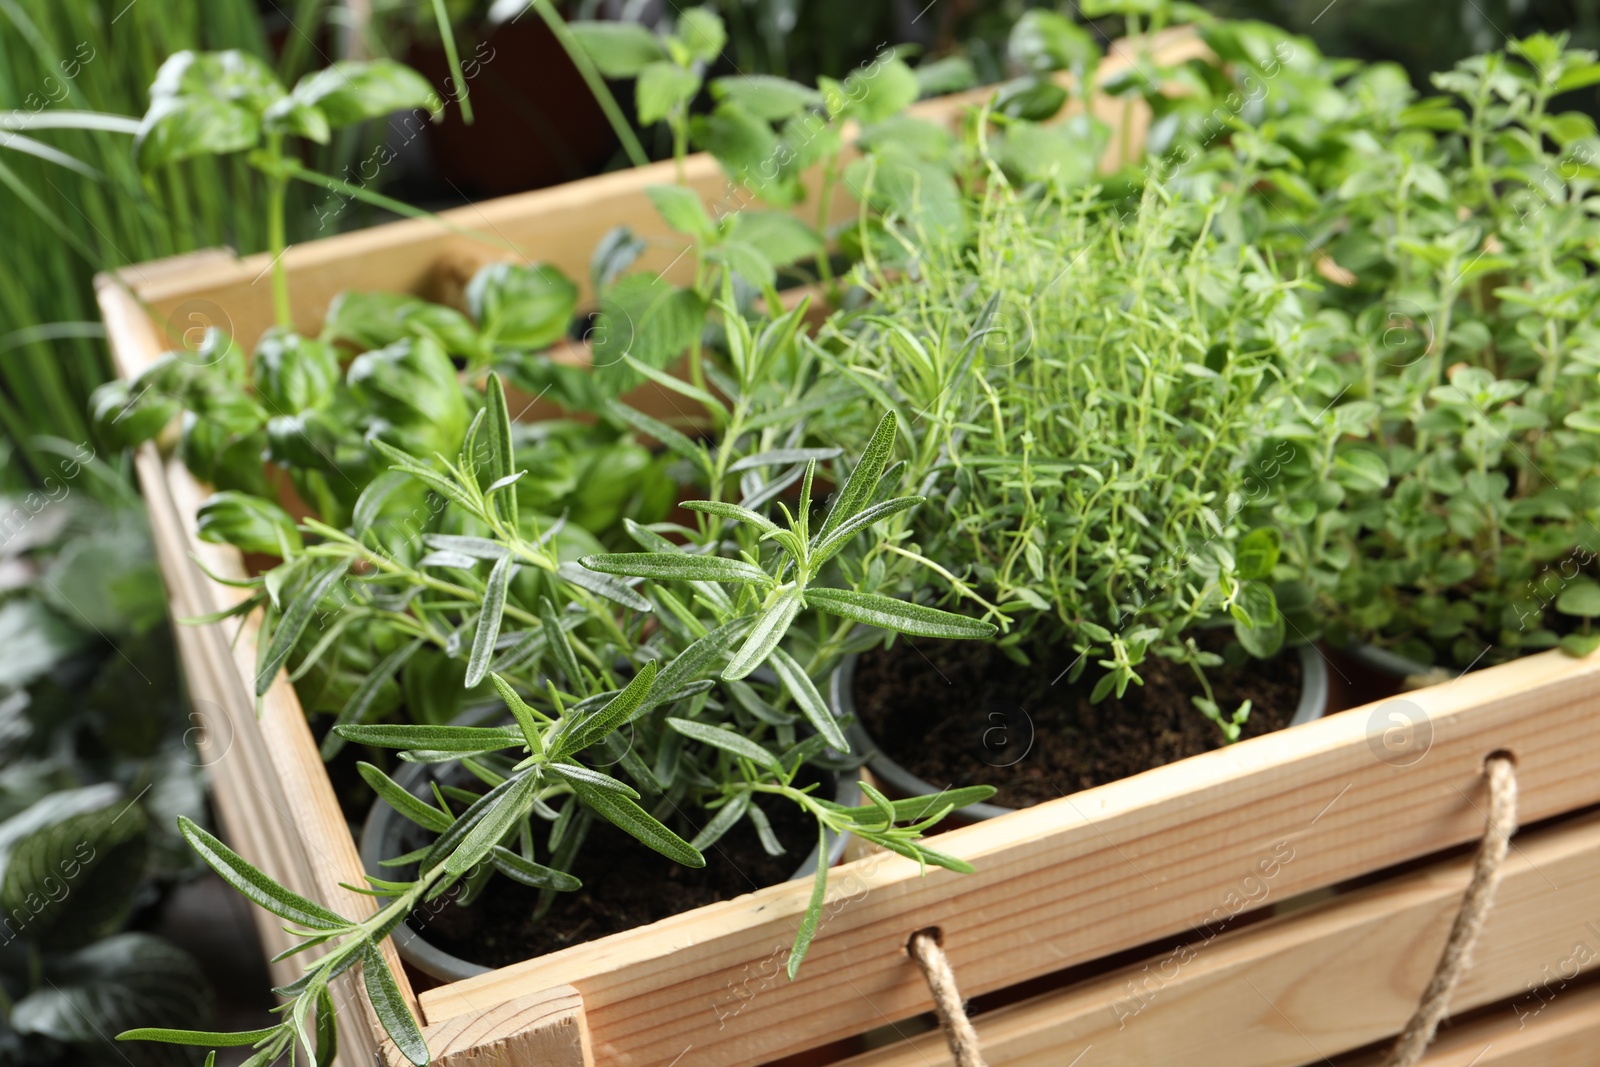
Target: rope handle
(947, 1004)
(1488, 868)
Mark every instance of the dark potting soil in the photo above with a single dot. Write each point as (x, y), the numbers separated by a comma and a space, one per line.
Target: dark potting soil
(960, 713)
(625, 884)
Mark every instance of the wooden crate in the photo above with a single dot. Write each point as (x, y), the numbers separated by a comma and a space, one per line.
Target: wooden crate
(1098, 886)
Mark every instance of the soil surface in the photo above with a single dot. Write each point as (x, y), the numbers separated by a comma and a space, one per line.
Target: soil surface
(625, 885)
(960, 713)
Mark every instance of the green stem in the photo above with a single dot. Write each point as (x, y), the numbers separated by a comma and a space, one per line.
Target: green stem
(680, 141)
(592, 78)
(277, 192)
(447, 35)
(824, 198)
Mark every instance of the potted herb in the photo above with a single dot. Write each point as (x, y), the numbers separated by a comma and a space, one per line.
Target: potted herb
(1455, 440)
(1100, 397)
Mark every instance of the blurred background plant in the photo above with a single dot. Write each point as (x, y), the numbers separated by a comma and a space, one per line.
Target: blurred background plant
(67, 219)
(97, 761)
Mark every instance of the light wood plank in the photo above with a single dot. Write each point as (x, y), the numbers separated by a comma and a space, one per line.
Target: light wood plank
(1319, 982)
(1565, 1034)
(547, 1030)
(1076, 879)
(272, 792)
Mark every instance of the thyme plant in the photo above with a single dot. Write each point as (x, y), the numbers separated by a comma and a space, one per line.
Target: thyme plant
(1099, 399)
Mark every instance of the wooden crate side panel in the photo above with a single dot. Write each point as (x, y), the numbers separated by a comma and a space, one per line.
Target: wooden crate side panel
(560, 225)
(547, 1030)
(267, 795)
(1315, 983)
(1079, 878)
(1565, 1034)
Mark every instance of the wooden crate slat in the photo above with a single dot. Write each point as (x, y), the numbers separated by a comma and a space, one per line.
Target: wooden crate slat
(1566, 1033)
(275, 814)
(1076, 879)
(1311, 984)
(547, 1029)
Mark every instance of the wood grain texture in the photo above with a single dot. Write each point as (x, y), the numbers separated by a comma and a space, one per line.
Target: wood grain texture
(1079, 878)
(543, 1030)
(1565, 1034)
(1318, 982)
(275, 799)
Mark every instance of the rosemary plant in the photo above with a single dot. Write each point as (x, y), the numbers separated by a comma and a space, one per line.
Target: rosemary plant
(715, 741)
